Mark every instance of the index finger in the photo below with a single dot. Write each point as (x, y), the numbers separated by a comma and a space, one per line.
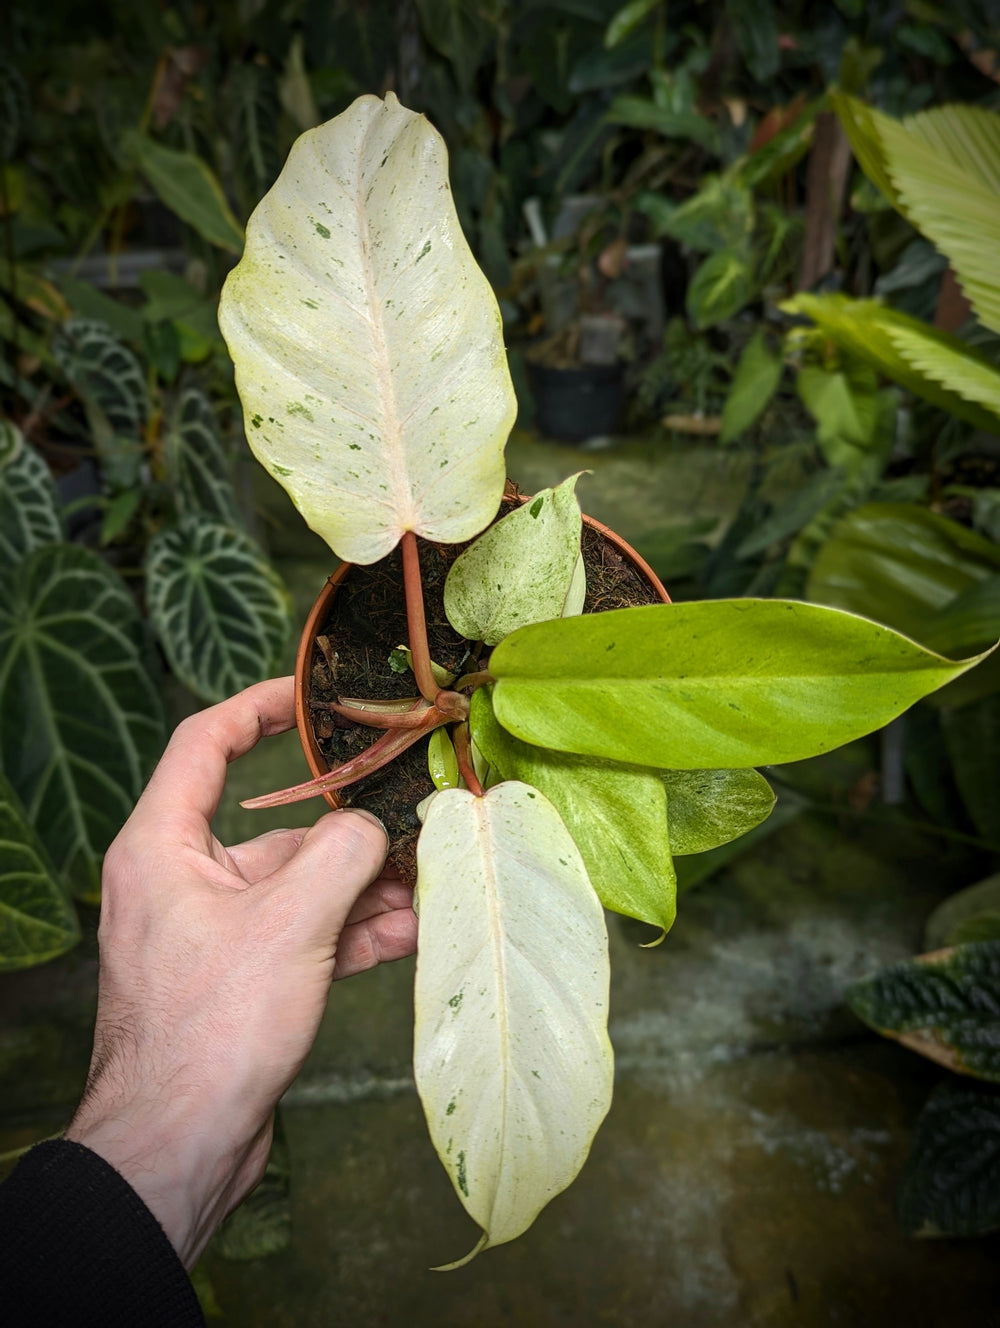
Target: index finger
(187, 784)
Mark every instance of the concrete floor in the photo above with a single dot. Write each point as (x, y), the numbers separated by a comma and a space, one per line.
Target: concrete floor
(747, 1172)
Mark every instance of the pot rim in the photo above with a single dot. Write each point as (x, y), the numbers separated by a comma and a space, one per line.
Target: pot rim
(317, 762)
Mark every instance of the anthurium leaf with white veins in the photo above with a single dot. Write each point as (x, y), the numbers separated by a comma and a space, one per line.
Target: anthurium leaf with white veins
(368, 345)
(29, 513)
(37, 919)
(715, 684)
(617, 815)
(521, 570)
(221, 611)
(511, 1053)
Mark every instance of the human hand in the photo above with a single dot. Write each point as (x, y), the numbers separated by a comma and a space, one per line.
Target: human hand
(215, 967)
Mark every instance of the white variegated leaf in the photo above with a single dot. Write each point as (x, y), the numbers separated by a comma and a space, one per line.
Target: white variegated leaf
(522, 570)
(511, 1052)
(368, 345)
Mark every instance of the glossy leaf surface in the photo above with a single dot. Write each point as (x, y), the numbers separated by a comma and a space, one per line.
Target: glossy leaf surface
(952, 1182)
(29, 513)
(945, 1005)
(368, 345)
(221, 612)
(80, 718)
(37, 920)
(521, 570)
(709, 685)
(617, 815)
(511, 1053)
(708, 808)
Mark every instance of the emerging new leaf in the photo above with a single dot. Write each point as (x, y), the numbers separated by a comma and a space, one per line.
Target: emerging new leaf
(709, 685)
(521, 570)
(511, 1051)
(368, 345)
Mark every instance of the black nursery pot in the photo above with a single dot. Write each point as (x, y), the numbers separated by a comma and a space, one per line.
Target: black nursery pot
(575, 404)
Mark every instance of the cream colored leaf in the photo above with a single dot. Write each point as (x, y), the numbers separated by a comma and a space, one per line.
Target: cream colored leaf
(367, 343)
(511, 1052)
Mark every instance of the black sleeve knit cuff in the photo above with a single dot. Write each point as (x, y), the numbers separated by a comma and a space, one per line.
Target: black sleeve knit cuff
(79, 1247)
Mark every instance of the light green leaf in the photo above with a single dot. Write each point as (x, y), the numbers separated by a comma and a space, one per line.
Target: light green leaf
(221, 611)
(952, 1181)
(368, 345)
(29, 515)
(971, 915)
(945, 1005)
(845, 406)
(626, 20)
(37, 920)
(520, 570)
(617, 815)
(708, 808)
(80, 718)
(196, 464)
(720, 215)
(442, 763)
(720, 288)
(862, 125)
(934, 365)
(188, 187)
(900, 564)
(511, 1052)
(709, 685)
(755, 382)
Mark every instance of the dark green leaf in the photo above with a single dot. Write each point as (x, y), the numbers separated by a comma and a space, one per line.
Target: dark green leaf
(754, 384)
(638, 113)
(29, 515)
(196, 463)
(187, 185)
(900, 564)
(971, 915)
(790, 516)
(782, 152)
(717, 684)
(81, 720)
(110, 380)
(616, 814)
(89, 302)
(946, 1005)
(626, 20)
(221, 612)
(970, 621)
(708, 808)
(952, 1182)
(756, 31)
(972, 736)
(37, 920)
(722, 285)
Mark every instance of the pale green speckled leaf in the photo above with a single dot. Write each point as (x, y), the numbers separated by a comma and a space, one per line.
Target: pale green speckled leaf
(368, 345)
(521, 570)
(511, 1052)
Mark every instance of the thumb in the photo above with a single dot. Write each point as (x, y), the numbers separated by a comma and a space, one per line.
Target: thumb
(338, 858)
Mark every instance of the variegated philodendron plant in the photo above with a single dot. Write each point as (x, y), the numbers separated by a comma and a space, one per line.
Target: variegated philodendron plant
(370, 362)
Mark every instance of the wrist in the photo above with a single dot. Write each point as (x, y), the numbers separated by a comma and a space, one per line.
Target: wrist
(184, 1164)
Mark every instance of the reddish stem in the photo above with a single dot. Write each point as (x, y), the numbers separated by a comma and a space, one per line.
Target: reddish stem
(421, 716)
(379, 754)
(463, 753)
(420, 653)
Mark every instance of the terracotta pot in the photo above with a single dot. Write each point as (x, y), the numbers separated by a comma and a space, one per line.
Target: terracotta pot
(318, 764)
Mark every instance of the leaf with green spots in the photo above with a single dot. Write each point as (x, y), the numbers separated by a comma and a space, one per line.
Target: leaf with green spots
(37, 919)
(221, 612)
(188, 186)
(617, 815)
(945, 1005)
(719, 684)
(709, 808)
(521, 570)
(511, 1051)
(367, 343)
(80, 717)
(196, 463)
(29, 513)
(952, 1181)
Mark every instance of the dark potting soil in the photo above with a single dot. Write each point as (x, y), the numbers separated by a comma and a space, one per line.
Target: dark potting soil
(367, 621)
